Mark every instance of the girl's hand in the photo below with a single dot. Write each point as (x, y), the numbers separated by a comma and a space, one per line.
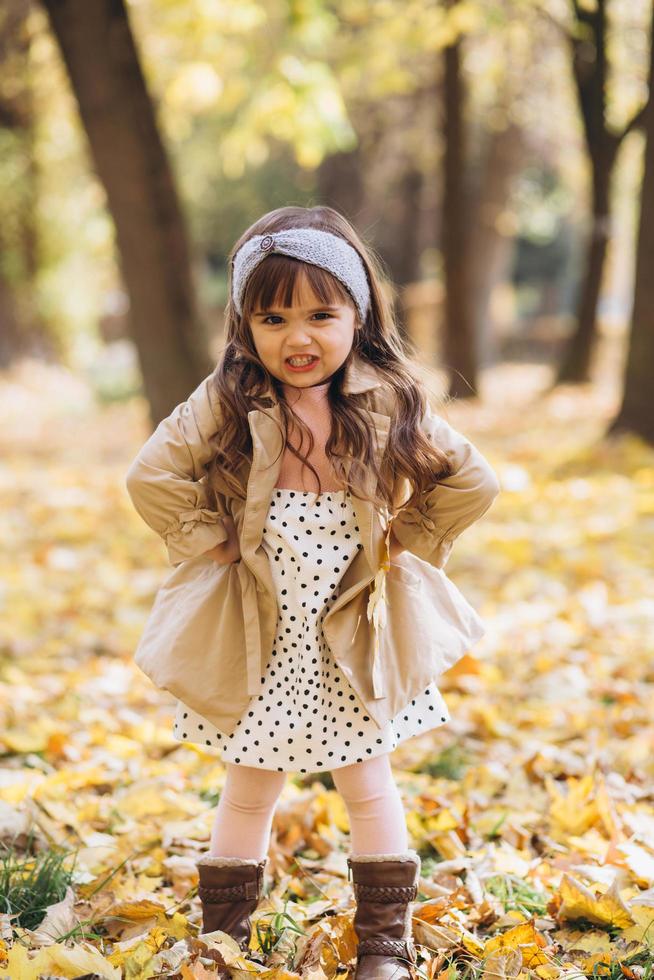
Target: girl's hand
(229, 551)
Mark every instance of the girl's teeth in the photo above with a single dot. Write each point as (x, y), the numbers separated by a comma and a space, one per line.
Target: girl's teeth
(299, 363)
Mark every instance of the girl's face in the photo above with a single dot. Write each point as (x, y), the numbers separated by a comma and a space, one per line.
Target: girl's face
(306, 328)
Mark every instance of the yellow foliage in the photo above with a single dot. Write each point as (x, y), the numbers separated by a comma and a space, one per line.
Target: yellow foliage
(524, 938)
(576, 810)
(578, 902)
(511, 791)
(64, 961)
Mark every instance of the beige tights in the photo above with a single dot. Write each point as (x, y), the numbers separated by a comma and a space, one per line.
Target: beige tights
(247, 804)
(245, 811)
(374, 806)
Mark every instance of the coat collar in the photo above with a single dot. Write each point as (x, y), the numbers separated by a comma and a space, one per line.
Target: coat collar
(360, 376)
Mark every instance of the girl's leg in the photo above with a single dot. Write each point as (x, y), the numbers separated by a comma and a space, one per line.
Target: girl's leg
(374, 805)
(245, 812)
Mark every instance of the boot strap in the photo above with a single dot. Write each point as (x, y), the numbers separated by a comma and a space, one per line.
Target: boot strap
(385, 893)
(403, 948)
(230, 893)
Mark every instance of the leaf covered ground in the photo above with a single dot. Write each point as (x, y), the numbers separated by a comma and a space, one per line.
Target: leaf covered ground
(532, 810)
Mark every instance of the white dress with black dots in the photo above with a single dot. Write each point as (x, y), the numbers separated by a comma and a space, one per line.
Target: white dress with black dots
(307, 717)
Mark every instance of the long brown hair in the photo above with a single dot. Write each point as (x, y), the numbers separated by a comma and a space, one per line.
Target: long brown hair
(241, 379)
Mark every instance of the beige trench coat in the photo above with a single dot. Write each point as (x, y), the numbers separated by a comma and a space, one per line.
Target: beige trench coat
(211, 628)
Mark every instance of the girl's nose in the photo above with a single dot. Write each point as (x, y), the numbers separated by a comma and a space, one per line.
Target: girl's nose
(298, 335)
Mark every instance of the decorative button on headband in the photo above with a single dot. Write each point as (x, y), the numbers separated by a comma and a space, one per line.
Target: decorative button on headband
(321, 248)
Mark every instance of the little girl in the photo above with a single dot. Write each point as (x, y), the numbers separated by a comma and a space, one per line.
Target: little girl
(308, 322)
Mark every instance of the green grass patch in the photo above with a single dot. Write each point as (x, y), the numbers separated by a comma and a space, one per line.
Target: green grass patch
(29, 883)
(451, 763)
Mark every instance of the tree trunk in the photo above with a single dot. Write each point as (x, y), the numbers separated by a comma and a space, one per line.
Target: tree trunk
(407, 255)
(459, 353)
(499, 161)
(590, 69)
(22, 331)
(576, 362)
(106, 77)
(636, 413)
(340, 183)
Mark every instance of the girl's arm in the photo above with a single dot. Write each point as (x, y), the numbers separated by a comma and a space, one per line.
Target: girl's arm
(164, 481)
(430, 529)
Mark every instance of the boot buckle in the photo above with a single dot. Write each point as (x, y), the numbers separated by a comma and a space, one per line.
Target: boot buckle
(251, 889)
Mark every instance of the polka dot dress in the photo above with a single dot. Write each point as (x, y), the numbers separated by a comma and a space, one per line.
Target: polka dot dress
(307, 717)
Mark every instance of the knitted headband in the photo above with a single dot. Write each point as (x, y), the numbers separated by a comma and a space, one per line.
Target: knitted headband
(321, 248)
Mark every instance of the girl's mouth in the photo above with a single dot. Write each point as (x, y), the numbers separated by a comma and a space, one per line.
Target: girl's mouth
(301, 363)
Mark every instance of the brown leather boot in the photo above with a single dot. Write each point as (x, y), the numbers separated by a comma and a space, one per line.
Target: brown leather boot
(384, 887)
(229, 891)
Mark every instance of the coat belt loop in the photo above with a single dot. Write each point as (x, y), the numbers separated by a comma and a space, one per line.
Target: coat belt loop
(377, 612)
(254, 664)
(377, 682)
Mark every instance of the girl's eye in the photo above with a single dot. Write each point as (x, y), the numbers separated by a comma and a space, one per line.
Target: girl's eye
(273, 316)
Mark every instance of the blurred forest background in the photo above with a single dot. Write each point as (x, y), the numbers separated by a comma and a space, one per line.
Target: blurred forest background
(492, 152)
(499, 157)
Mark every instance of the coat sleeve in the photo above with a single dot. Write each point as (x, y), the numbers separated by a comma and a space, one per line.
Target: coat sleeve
(164, 482)
(442, 513)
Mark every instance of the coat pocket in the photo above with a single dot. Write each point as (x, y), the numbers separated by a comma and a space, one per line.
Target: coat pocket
(445, 621)
(407, 664)
(194, 639)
